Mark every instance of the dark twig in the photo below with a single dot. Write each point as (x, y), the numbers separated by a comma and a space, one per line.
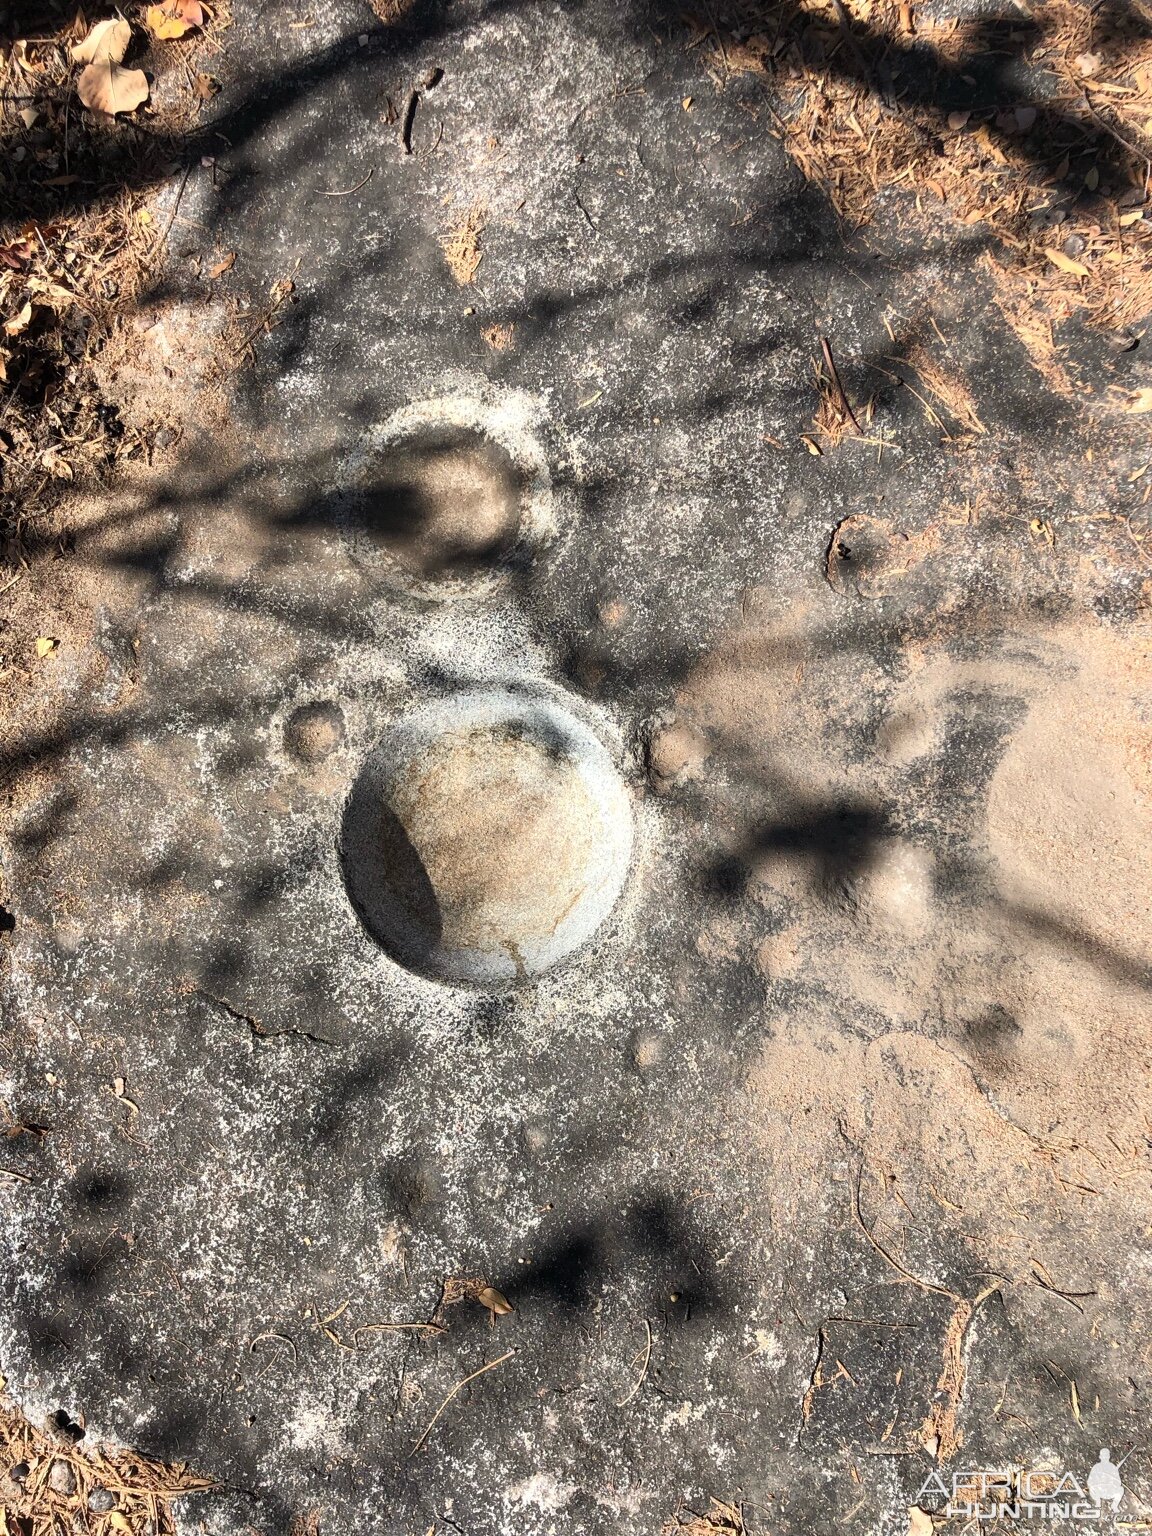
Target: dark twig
(842, 398)
(407, 118)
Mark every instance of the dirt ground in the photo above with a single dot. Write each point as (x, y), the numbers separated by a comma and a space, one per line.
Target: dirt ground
(795, 363)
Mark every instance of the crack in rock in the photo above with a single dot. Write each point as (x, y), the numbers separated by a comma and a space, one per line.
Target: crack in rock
(254, 1024)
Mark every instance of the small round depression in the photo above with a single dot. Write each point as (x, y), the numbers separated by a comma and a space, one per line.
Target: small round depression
(486, 839)
(447, 496)
(444, 505)
(314, 731)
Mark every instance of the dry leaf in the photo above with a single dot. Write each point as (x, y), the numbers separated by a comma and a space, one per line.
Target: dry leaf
(920, 1522)
(16, 255)
(1087, 63)
(174, 18)
(111, 88)
(225, 264)
(56, 465)
(19, 56)
(1066, 264)
(1092, 178)
(18, 322)
(29, 116)
(1140, 403)
(497, 1304)
(206, 87)
(107, 43)
(1128, 219)
(1040, 529)
(45, 645)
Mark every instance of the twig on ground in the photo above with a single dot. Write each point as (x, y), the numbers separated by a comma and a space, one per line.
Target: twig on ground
(407, 119)
(643, 1368)
(459, 1387)
(889, 1258)
(399, 1328)
(348, 191)
(842, 397)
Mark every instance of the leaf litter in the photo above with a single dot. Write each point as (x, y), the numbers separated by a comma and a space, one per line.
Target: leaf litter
(56, 1488)
(78, 245)
(867, 97)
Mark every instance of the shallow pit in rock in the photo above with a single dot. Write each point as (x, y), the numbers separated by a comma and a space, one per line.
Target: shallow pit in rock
(487, 838)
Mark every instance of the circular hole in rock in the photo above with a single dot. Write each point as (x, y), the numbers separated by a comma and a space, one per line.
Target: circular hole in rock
(487, 838)
(313, 732)
(444, 503)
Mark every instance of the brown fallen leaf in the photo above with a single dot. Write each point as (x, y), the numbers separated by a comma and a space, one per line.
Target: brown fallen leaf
(104, 85)
(1066, 263)
(1140, 403)
(106, 43)
(173, 18)
(225, 264)
(110, 88)
(46, 644)
(16, 255)
(496, 1303)
(18, 322)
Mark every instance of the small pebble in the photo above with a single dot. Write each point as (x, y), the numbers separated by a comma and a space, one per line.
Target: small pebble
(101, 1500)
(61, 1478)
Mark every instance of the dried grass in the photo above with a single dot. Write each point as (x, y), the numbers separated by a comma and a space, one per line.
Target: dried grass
(721, 1519)
(461, 246)
(1060, 181)
(946, 387)
(79, 244)
(55, 1480)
